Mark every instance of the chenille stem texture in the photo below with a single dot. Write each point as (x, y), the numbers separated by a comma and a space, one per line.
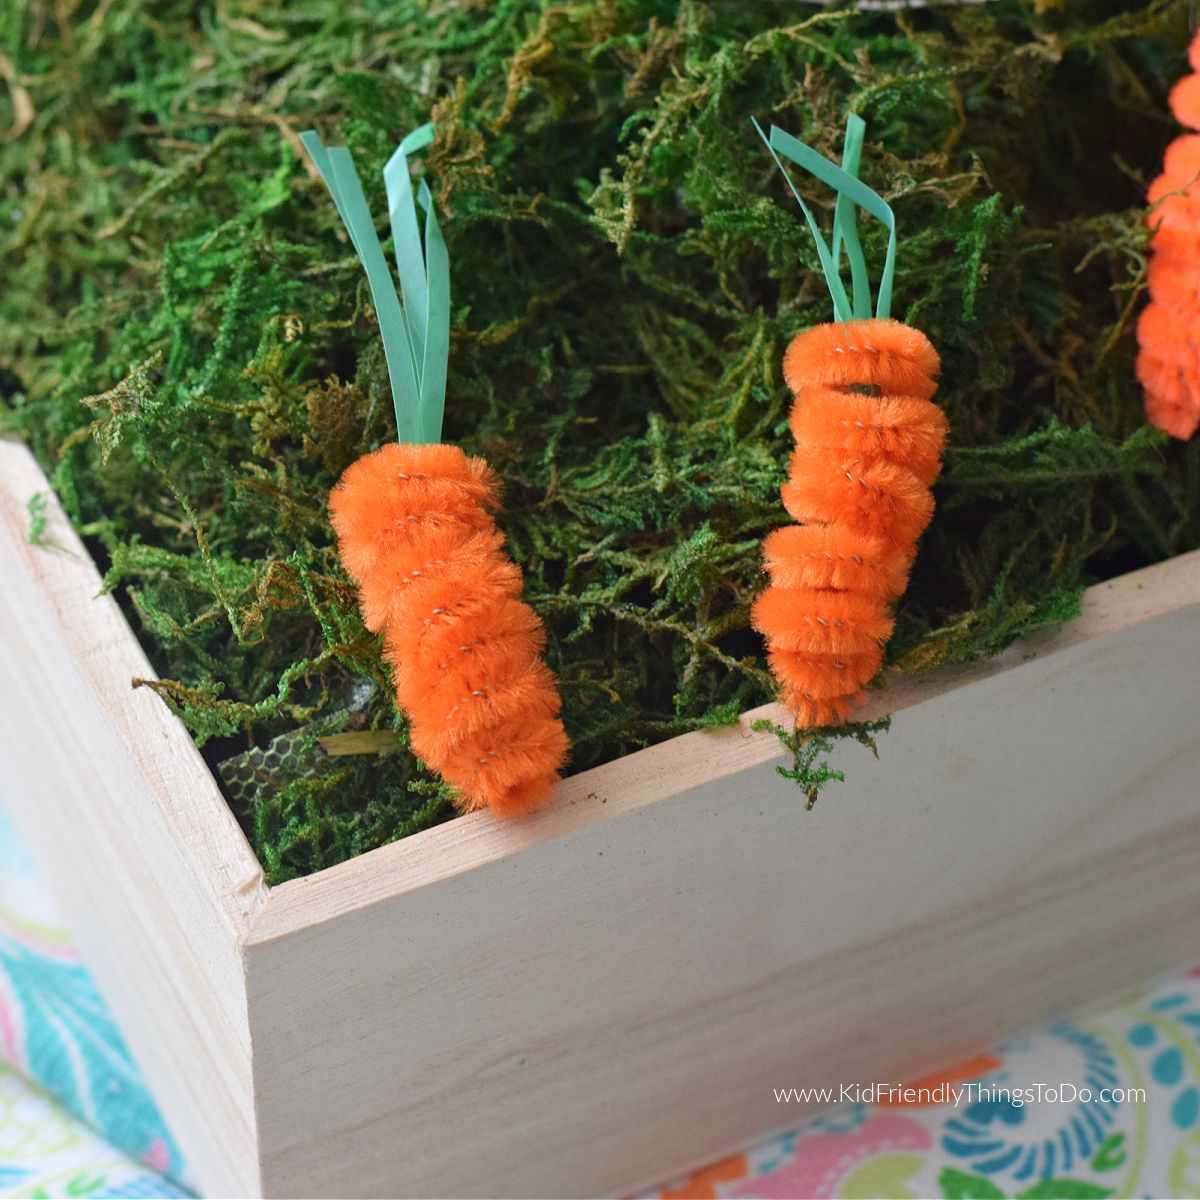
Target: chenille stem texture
(1168, 331)
(869, 444)
(416, 533)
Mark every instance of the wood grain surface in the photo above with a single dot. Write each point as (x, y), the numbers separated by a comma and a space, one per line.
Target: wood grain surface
(130, 831)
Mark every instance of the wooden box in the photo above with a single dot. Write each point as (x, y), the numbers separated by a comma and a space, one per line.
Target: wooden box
(600, 996)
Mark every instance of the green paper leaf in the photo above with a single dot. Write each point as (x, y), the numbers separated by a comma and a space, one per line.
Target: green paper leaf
(424, 282)
(845, 221)
(437, 328)
(406, 238)
(416, 335)
(842, 308)
(852, 193)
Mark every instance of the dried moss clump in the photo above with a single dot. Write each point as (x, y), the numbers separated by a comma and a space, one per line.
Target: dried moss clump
(187, 342)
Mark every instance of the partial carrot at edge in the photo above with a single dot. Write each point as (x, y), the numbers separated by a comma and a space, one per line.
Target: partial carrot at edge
(1168, 360)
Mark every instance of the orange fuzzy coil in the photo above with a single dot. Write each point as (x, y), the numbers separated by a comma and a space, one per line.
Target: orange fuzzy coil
(415, 532)
(1168, 331)
(868, 448)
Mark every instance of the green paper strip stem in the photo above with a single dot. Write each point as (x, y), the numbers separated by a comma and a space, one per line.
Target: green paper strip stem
(424, 280)
(437, 327)
(406, 238)
(416, 335)
(337, 170)
(857, 194)
(845, 222)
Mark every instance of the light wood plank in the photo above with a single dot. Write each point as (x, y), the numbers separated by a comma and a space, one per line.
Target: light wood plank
(129, 828)
(613, 991)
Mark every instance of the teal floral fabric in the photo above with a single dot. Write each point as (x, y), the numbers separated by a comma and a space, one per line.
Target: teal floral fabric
(1095, 1107)
(57, 1035)
(45, 1151)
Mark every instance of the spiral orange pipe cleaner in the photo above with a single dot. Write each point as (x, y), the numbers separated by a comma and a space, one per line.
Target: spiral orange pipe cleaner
(1168, 331)
(416, 533)
(869, 443)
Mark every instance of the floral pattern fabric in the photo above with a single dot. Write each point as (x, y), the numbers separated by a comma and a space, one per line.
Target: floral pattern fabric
(1096, 1107)
(75, 1116)
(45, 1151)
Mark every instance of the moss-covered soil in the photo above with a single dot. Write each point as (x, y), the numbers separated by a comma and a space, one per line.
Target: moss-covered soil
(187, 341)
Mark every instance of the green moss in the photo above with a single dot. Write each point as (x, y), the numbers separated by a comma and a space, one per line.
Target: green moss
(186, 338)
(809, 771)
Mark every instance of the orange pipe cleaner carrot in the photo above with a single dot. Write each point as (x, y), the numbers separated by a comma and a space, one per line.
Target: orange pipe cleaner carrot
(1168, 331)
(416, 534)
(868, 449)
